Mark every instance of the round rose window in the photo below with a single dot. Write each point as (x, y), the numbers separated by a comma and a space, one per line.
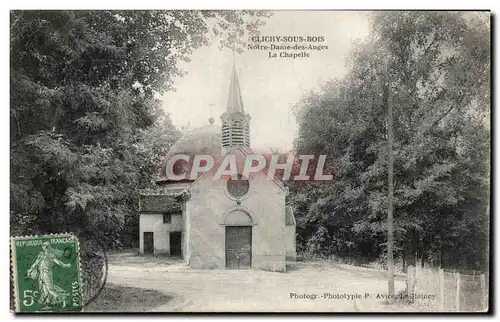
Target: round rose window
(237, 188)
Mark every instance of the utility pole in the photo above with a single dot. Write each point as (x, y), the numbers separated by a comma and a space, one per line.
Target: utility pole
(390, 190)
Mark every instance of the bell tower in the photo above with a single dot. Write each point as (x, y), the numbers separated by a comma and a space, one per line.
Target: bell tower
(235, 123)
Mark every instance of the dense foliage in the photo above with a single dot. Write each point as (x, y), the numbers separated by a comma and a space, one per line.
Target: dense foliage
(434, 68)
(87, 129)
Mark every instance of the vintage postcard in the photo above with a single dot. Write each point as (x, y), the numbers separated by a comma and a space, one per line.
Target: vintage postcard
(250, 161)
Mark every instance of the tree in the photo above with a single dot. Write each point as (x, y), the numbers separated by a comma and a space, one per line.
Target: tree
(439, 66)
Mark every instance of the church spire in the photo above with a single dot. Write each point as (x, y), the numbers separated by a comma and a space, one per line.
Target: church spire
(235, 123)
(234, 100)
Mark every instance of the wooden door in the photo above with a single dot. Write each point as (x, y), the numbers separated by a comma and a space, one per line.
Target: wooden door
(148, 243)
(175, 243)
(238, 247)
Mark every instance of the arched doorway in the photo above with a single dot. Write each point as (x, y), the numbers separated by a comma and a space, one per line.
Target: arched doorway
(238, 240)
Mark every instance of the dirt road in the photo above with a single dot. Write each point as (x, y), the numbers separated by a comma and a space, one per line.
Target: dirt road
(319, 287)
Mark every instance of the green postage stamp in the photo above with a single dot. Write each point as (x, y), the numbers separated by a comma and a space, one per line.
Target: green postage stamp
(46, 273)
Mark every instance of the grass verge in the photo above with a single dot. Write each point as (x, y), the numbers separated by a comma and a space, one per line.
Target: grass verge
(117, 298)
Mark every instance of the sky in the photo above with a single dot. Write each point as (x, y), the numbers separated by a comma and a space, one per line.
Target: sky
(269, 86)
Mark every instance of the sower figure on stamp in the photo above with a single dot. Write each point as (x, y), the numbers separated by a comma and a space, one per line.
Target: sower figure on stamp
(41, 269)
